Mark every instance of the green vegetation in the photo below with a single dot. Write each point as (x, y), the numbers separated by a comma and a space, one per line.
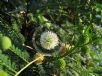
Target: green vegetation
(50, 38)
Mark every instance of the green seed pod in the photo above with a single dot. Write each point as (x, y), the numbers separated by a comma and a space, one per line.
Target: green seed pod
(5, 43)
(61, 63)
(3, 73)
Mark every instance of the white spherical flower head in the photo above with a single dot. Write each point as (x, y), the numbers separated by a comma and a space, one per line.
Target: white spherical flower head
(49, 40)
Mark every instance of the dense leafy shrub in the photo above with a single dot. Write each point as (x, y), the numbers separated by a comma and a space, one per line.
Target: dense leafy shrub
(51, 37)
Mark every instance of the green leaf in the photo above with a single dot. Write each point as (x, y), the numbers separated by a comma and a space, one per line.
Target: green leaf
(20, 53)
(6, 61)
(98, 41)
(98, 5)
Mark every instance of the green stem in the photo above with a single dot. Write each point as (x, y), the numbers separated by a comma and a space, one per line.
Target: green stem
(72, 50)
(26, 66)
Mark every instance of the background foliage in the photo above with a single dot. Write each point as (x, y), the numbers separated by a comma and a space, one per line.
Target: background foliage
(78, 23)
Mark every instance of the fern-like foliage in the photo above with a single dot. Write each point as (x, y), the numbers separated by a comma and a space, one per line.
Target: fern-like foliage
(5, 61)
(8, 30)
(11, 57)
(22, 54)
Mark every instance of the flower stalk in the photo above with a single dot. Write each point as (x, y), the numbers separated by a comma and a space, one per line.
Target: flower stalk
(38, 57)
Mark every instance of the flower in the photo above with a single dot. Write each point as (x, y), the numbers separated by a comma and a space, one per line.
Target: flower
(40, 57)
(64, 47)
(49, 40)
